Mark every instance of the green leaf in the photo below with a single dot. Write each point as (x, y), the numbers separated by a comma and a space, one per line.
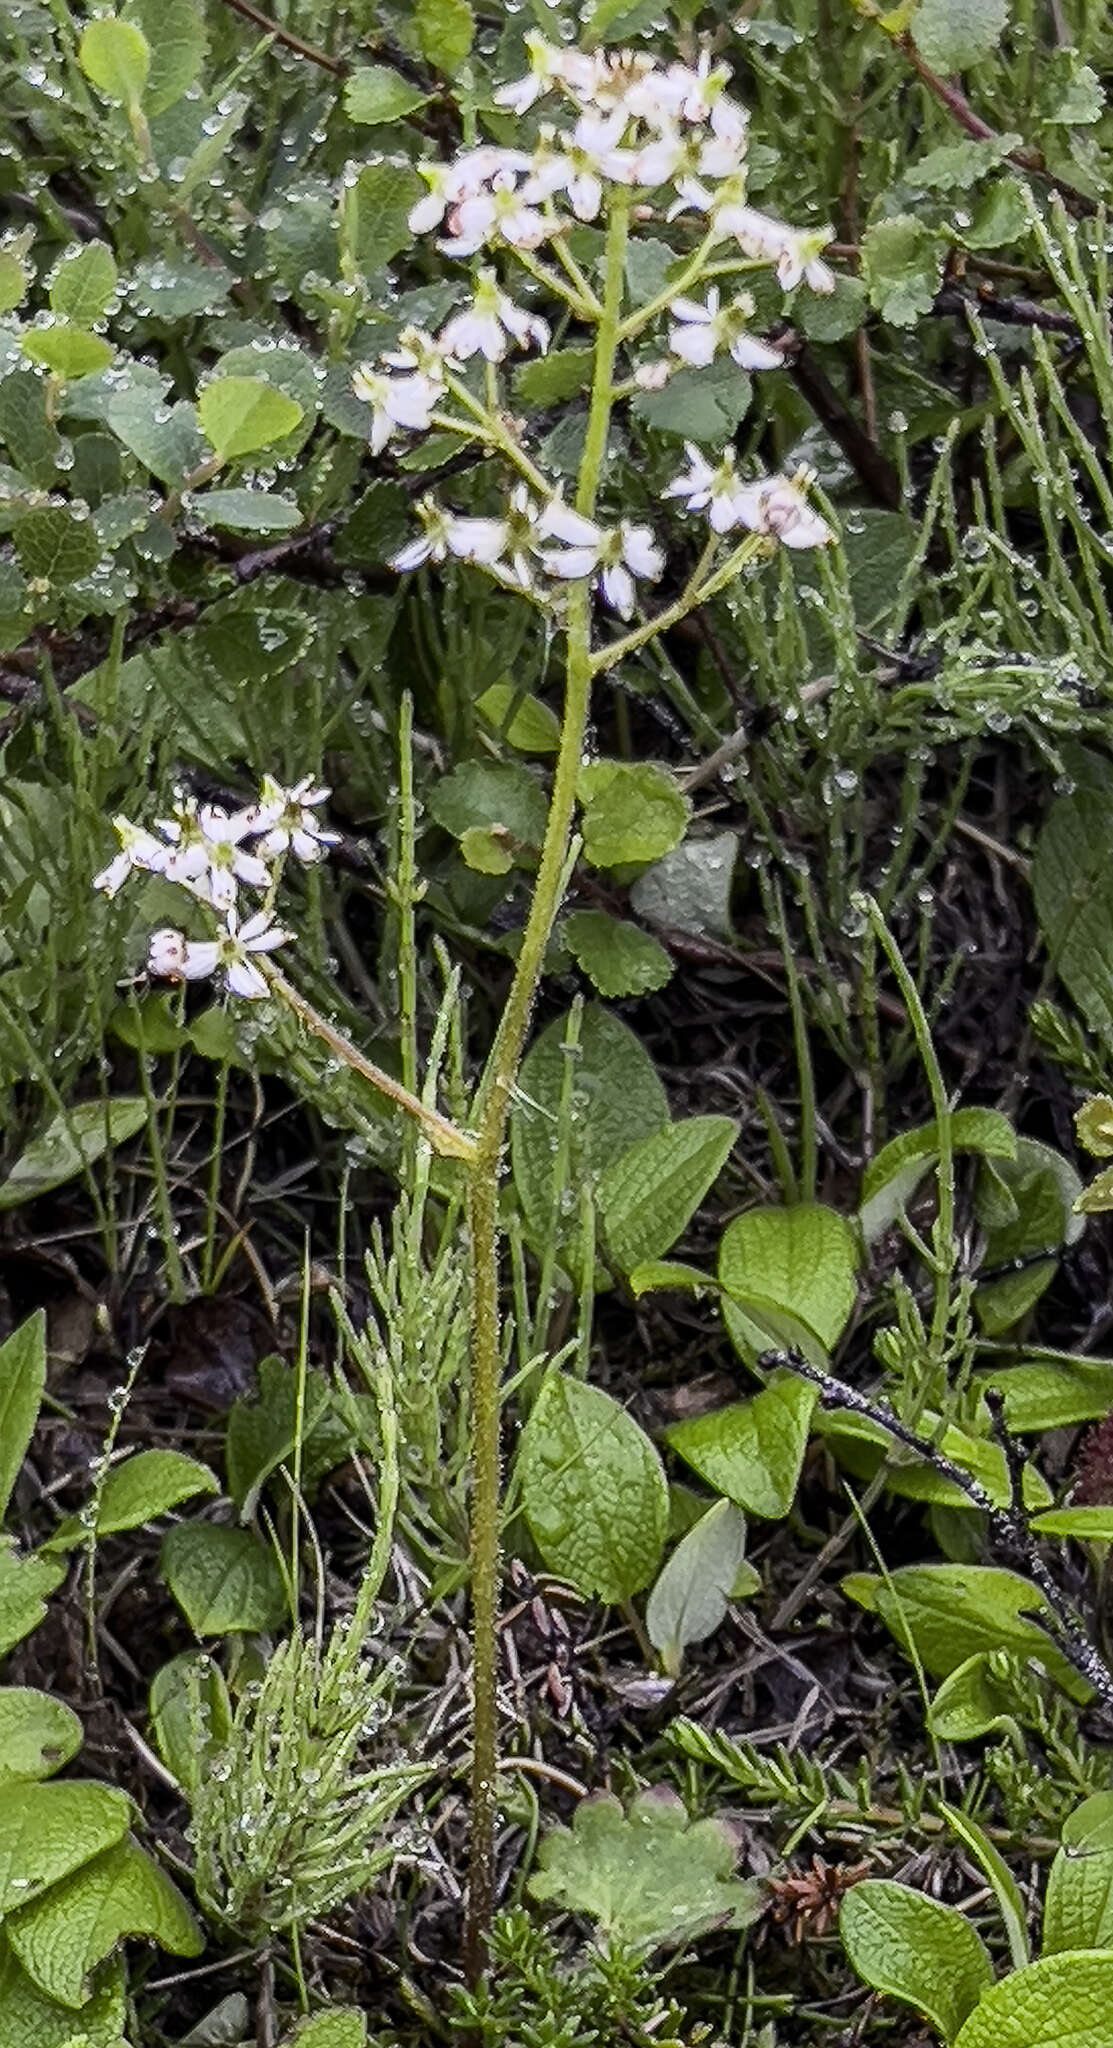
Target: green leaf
(1027, 1205)
(951, 1611)
(902, 267)
(262, 1432)
(1072, 886)
(523, 721)
(69, 1143)
(385, 196)
(892, 1177)
(379, 523)
(593, 1489)
(661, 1276)
(67, 352)
(224, 1580)
(32, 440)
(147, 1485)
(191, 1715)
(25, 1585)
(1085, 1524)
(492, 794)
(30, 2020)
(165, 292)
(632, 811)
(14, 278)
(617, 1099)
(22, 1379)
(915, 1478)
(38, 1733)
(46, 1831)
(1062, 2001)
(485, 848)
(752, 1451)
(1078, 1907)
(445, 31)
(831, 316)
(376, 93)
(650, 1194)
(1053, 1394)
(953, 34)
(705, 406)
(83, 284)
(695, 1588)
(791, 1263)
(916, 1949)
(999, 1877)
(245, 511)
(975, 1700)
(164, 438)
(689, 889)
(650, 1878)
(115, 57)
(956, 166)
(553, 379)
(617, 957)
(340, 2027)
(55, 546)
(178, 39)
(243, 414)
(63, 1936)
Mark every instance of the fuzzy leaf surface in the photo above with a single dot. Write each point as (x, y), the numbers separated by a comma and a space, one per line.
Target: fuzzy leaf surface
(63, 1936)
(649, 1878)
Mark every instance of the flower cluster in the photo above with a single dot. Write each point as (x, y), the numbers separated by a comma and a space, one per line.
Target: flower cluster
(671, 139)
(212, 853)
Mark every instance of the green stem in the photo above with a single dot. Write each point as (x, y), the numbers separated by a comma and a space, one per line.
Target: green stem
(445, 1137)
(492, 1110)
(696, 592)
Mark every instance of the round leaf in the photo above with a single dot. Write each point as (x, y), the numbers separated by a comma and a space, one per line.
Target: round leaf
(61, 1938)
(224, 1580)
(798, 1260)
(243, 414)
(48, 1830)
(38, 1734)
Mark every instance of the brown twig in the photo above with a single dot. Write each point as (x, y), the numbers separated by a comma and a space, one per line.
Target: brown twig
(336, 65)
(1009, 1530)
(1011, 312)
(873, 469)
(958, 106)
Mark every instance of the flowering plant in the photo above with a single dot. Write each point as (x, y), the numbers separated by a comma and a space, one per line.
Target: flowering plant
(626, 142)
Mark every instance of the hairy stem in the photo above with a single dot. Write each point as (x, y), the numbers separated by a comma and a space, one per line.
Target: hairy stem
(492, 1110)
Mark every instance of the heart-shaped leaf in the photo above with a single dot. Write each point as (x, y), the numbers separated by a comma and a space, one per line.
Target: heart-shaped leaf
(649, 1878)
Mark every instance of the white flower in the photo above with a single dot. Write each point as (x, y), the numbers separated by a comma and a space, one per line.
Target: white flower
(497, 213)
(448, 183)
(702, 330)
(794, 251)
(480, 541)
(710, 488)
(207, 856)
(585, 162)
(175, 958)
(619, 553)
(621, 79)
(397, 403)
(653, 376)
(777, 506)
(482, 328)
(548, 66)
(138, 849)
(521, 546)
(285, 822)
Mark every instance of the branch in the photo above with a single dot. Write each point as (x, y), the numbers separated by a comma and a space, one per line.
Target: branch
(1011, 312)
(1009, 1530)
(958, 106)
(873, 469)
(336, 65)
